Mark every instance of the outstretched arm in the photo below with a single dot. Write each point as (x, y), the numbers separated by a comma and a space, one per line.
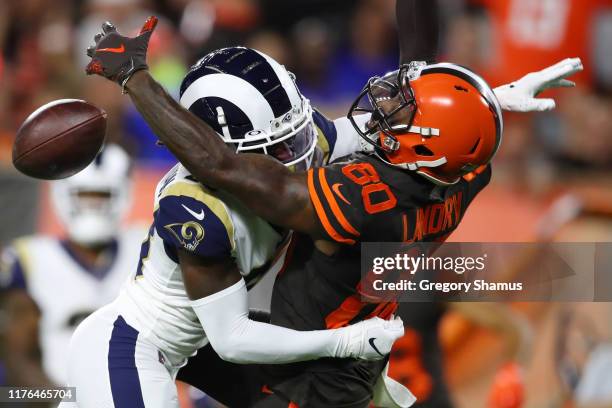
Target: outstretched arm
(266, 186)
(197, 146)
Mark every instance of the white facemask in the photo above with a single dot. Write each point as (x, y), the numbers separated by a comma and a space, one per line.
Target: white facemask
(91, 229)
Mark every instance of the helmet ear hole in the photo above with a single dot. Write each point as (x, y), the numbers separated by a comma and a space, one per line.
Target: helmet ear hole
(422, 150)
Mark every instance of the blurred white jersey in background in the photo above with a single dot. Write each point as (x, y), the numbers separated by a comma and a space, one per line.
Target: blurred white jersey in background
(64, 289)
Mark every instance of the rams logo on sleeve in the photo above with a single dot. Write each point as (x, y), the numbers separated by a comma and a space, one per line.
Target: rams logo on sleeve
(190, 218)
(188, 234)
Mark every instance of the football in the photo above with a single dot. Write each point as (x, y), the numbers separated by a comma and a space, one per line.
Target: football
(59, 139)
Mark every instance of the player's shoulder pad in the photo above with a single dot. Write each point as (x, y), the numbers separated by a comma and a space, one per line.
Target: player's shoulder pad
(175, 174)
(337, 200)
(191, 217)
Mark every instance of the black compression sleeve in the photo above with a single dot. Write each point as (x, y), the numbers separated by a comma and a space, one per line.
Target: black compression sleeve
(418, 30)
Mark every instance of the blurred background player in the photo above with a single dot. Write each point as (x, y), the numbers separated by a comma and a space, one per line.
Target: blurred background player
(418, 358)
(50, 284)
(584, 358)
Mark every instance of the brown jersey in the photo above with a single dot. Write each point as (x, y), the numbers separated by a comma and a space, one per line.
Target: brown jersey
(359, 200)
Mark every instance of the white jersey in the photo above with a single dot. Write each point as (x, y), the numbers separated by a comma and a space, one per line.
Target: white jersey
(208, 223)
(191, 217)
(64, 289)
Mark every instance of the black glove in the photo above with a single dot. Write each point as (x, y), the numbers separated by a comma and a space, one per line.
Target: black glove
(116, 57)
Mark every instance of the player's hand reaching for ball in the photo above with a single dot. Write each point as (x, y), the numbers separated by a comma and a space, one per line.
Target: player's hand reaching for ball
(116, 57)
(370, 339)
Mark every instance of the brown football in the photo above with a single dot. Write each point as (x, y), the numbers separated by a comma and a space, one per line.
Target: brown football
(59, 139)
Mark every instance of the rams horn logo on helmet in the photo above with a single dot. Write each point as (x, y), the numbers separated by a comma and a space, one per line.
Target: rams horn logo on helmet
(188, 234)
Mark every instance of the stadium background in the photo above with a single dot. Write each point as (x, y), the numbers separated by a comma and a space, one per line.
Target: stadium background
(334, 46)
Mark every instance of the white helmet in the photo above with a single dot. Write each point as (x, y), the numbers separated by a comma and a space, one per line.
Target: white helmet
(253, 103)
(91, 203)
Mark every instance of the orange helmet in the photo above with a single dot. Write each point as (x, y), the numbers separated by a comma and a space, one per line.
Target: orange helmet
(442, 121)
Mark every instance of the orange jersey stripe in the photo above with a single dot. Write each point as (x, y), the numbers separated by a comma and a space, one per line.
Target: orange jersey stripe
(384, 310)
(334, 205)
(321, 212)
(347, 311)
(352, 306)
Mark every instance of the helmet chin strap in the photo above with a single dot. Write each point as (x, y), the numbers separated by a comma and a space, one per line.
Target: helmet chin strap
(437, 180)
(368, 148)
(414, 166)
(423, 131)
(421, 163)
(365, 146)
